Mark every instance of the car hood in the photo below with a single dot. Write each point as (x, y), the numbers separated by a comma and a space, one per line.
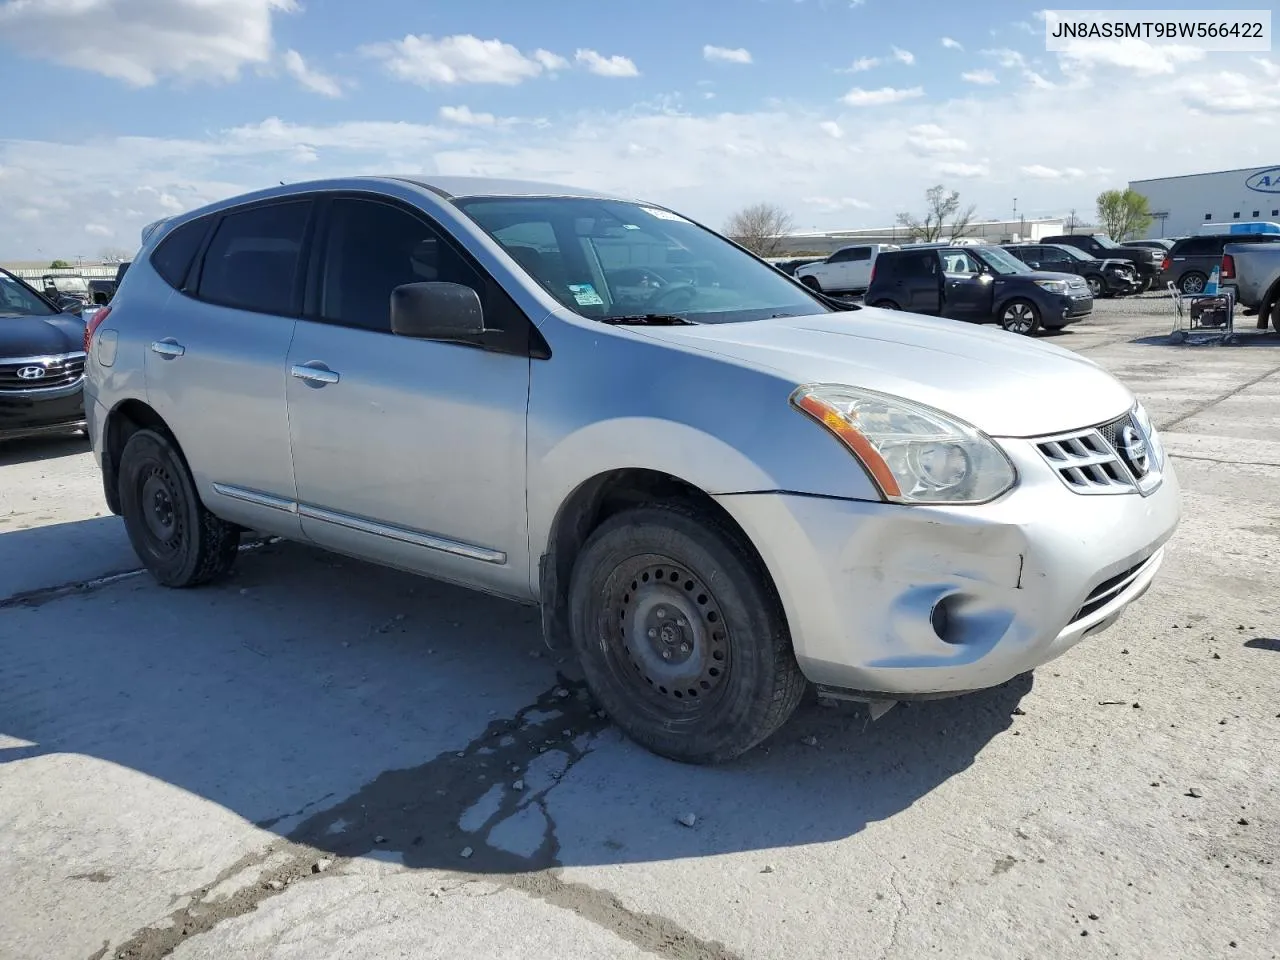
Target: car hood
(1034, 275)
(1002, 383)
(40, 336)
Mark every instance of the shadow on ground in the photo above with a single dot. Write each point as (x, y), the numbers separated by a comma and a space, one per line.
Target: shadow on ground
(42, 448)
(358, 709)
(1244, 337)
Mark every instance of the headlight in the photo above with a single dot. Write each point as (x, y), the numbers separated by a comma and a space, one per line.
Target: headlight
(1053, 286)
(913, 453)
(1154, 444)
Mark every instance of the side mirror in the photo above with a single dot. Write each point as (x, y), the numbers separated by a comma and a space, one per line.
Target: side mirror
(1034, 265)
(436, 311)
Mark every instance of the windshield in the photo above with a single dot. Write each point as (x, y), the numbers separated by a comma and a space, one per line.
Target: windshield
(1106, 242)
(1000, 261)
(17, 301)
(607, 259)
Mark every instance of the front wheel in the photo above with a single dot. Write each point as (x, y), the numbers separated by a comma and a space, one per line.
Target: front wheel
(1020, 316)
(1096, 286)
(179, 542)
(886, 305)
(812, 283)
(681, 634)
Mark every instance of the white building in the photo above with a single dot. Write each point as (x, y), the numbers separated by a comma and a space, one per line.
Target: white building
(1181, 204)
(993, 231)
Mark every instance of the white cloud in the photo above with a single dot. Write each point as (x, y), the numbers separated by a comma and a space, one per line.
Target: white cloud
(1038, 171)
(931, 139)
(466, 117)
(857, 97)
(831, 129)
(726, 55)
(446, 61)
(904, 56)
(835, 204)
(98, 230)
(615, 66)
(1228, 92)
(951, 44)
(1269, 67)
(309, 78)
(964, 170)
(862, 64)
(1006, 58)
(1143, 58)
(141, 41)
(981, 77)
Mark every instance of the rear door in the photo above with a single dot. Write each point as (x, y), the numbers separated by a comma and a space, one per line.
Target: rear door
(966, 288)
(215, 368)
(917, 284)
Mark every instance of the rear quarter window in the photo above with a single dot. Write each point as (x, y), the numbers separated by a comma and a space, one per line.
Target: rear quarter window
(173, 256)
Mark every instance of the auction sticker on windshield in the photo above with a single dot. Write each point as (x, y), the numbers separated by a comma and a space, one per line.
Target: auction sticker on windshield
(585, 295)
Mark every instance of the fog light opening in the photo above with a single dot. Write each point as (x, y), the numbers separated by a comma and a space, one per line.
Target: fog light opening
(944, 624)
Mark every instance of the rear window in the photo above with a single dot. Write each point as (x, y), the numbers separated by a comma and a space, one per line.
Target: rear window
(173, 256)
(254, 258)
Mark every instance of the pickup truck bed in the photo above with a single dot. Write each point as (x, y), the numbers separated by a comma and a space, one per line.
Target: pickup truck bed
(1254, 270)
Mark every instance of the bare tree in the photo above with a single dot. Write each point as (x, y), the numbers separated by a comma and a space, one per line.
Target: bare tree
(760, 228)
(940, 206)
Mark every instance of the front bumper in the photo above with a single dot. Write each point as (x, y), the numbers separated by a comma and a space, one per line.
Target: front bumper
(1020, 580)
(33, 413)
(1068, 309)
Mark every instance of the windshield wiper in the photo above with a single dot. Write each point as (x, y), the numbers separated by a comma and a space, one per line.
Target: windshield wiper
(649, 319)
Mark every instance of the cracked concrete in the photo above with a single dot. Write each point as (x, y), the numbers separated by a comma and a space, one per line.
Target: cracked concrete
(175, 767)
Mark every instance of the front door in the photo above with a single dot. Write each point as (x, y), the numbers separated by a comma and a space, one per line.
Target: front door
(407, 452)
(215, 363)
(966, 288)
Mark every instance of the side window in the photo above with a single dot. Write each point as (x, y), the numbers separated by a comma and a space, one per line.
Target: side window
(253, 260)
(920, 265)
(1049, 255)
(844, 256)
(1200, 247)
(860, 253)
(959, 262)
(173, 256)
(370, 249)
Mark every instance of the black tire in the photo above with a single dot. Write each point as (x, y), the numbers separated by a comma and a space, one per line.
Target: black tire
(1193, 281)
(1097, 286)
(1020, 316)
(886, 305)
(812, 283)
(1274, 308)
(1147, 284)
(730, 677)
(179, 542)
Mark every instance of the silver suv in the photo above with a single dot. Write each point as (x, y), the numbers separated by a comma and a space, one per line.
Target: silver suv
(718, 486)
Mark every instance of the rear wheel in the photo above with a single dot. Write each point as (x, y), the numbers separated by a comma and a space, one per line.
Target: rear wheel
(179, 542)
(681, 634)
(1020, 316)
(886, 305)
(1193, 282)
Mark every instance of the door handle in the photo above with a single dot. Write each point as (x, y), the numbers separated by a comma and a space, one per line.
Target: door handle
(168, 347)
(314, 372)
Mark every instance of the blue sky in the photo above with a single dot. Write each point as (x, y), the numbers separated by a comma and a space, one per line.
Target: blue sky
(841, 112)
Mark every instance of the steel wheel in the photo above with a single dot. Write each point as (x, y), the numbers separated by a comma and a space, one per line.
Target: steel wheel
(1020, 316)
(667, 638)
(162, 520)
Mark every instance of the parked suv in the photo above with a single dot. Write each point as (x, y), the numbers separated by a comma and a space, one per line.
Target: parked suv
(980, 284)
(1106, 278)
(1191, 261)
(719, 488)
(1146, 260)
(848, 270)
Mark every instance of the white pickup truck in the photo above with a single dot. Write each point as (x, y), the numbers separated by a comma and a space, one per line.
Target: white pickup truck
(848, 270)
(1254, 270)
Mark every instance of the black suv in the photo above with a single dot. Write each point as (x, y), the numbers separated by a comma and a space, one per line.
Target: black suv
(1106, 278)
(1192, 259)
(1146, 260)
(980, 284)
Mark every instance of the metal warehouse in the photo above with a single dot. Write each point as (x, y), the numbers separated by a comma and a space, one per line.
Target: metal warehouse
(1181, 205)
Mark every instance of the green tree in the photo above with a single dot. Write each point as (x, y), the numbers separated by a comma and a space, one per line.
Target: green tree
(59, 265)
(1123, 213)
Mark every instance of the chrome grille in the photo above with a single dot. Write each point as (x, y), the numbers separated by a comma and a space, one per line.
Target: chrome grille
(62, 370)
(1088, 460)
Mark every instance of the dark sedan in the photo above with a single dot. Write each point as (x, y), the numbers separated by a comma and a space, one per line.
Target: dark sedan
(41, 364)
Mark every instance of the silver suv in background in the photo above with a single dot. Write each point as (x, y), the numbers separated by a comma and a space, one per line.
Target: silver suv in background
(718, 487)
